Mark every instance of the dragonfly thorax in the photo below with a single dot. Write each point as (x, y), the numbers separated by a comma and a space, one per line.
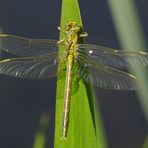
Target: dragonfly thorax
(74, 35)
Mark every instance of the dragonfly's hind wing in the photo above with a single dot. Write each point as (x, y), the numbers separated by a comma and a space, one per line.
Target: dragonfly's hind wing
(25, 47)
(39, 67)
(120, 59)
(106, 77)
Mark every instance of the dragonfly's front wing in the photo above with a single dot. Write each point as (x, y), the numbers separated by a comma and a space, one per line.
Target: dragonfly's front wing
(25, 47)
(119, 59)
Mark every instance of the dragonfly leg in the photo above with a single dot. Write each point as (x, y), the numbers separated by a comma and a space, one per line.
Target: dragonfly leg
(62, 30)
(61, 41)
(84, 34)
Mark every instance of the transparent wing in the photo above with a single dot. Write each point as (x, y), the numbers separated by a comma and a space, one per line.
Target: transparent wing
(27, 47)
(39, 67)
(115, 58)
(105, 77)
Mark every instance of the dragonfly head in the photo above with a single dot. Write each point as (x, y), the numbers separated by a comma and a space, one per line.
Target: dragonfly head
(73, 26)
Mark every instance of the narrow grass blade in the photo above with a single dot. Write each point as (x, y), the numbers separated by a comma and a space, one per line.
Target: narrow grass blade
(82, 124)
(145, 145)
(131, 37)
(40, 137)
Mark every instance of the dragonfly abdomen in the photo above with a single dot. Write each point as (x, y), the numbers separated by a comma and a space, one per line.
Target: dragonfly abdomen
(67, 98)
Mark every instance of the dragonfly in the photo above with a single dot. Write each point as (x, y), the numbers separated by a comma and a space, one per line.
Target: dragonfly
(100, 66)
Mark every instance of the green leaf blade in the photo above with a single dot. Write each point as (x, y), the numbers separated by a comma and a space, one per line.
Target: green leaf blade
(81, 130)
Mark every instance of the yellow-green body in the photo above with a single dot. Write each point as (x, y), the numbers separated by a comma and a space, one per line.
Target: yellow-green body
(73, 36)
